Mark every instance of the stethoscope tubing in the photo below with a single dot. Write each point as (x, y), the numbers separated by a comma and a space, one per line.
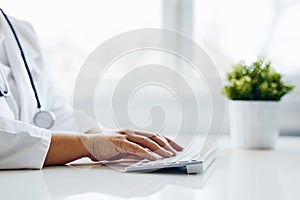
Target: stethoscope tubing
(24, 60)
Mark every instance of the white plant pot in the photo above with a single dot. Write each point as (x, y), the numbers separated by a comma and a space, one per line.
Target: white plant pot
(254, 124)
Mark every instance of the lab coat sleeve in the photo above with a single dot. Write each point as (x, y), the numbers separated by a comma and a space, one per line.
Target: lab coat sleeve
(22, 145)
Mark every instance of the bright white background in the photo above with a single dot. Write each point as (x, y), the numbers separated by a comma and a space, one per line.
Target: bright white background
(230, 30)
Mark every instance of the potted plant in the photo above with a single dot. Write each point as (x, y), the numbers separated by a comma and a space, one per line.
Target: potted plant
(254, 91)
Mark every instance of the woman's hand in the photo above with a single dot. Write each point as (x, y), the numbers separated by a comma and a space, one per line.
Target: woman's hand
(113, 145)
(109, 145)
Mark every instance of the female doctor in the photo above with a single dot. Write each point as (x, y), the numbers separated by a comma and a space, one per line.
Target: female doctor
(36, 124)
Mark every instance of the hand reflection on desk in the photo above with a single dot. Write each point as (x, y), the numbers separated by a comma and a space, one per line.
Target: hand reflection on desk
(92, 179)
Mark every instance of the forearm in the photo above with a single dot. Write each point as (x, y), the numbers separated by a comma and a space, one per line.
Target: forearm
(65, 148)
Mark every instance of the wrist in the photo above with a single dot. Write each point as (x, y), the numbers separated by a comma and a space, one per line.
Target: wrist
(83, 145)
(65, 148)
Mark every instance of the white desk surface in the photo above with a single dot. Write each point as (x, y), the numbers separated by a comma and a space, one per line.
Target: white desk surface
(237, 174)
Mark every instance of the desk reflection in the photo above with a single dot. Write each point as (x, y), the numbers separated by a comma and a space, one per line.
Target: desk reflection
(59, 182)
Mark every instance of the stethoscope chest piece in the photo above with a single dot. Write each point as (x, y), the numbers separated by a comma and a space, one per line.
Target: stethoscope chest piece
(44, 119)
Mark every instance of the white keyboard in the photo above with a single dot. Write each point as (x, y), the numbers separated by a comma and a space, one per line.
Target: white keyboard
(193, 162)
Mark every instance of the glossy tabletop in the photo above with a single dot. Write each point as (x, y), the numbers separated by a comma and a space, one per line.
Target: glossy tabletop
(236, 174)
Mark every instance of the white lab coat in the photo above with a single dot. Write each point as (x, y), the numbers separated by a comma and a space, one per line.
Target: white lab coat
(23, 145)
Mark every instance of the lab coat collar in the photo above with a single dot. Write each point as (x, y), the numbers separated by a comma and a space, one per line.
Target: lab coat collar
(1, 33)
(1, 37)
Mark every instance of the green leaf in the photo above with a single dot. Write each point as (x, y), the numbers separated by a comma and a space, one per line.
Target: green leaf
(258, 81)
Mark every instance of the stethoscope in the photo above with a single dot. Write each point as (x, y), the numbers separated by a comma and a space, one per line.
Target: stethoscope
(43, 118)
